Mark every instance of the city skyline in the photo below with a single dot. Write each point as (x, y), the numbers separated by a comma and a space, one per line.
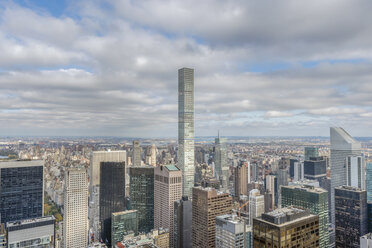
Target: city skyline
(68, 71)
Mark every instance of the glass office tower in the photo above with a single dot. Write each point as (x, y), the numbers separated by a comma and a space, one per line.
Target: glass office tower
(21, 190)
(142, 196)
(112, 195)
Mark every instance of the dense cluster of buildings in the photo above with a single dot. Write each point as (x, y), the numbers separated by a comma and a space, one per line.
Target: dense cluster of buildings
(212, 194)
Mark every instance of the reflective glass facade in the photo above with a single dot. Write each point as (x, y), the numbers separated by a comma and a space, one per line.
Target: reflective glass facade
(142, 196)
(112, 195)
(121, 223)
(21, 190)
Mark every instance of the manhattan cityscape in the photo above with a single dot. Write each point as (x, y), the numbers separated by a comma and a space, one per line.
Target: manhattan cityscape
(179, 124)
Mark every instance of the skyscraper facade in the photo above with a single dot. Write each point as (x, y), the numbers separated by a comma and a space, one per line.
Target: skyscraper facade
(342, 146)
(136, 154)
(369, 181)
(351, 216)
(207, 203)
(30, 233)
(311, 152)
(122, 223)
(315, 168)
(21, 190)
(241, 179)
(231, 231)
(142, 196)
(182, 223)
(75, 222)
(272, 187)
(256, 204)
(112, 195)
(168, 189)
(356, 172)
(313, 198)
(96, 158)
(222, 168)
(186, 128)
(286, 227)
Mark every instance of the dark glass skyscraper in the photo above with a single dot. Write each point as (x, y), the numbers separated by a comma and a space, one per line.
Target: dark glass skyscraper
(315, 168)
(351, 216)
(21, 190)
(112, 195)
(142, 196)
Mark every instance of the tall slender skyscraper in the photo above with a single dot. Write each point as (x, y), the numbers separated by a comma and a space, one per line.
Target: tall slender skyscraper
(342, 146)
(75, 223)
(186, 128)
(222, 168)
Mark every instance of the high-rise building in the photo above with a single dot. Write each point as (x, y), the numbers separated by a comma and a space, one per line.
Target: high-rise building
(342, 146)
(112, 195)
(351, 216)
(291, 167)
(153, 155)
(186, 128)
(241, 179)
(182, 223)
(286, 227)
(168, 189)
(311, 152)
(315, 168)
(142, 196)
(369, 181)
(313, 198)
(282, 175)
(268, 196)
(232, 231)
(222, 168)
(356, 172)
(271, 185)
(369, 215)
(136, 154)
(123, 223)
(366, 241)
(35, 232)
(298, 171)
(75, 222)
(207, 203)
(256, 204)
(21, 190)
(96, 158)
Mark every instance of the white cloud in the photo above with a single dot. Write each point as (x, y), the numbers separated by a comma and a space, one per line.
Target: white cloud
(113, 70)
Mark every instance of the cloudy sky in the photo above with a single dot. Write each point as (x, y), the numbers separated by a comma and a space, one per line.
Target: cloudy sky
(109, 67)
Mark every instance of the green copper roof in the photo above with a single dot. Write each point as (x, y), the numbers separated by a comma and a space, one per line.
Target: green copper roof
(172, 167)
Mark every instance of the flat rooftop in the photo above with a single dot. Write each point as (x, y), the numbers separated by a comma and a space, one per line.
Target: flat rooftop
(350, 188)
(29, 221)
(20, 163)
(307, 188)
(285, 215)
